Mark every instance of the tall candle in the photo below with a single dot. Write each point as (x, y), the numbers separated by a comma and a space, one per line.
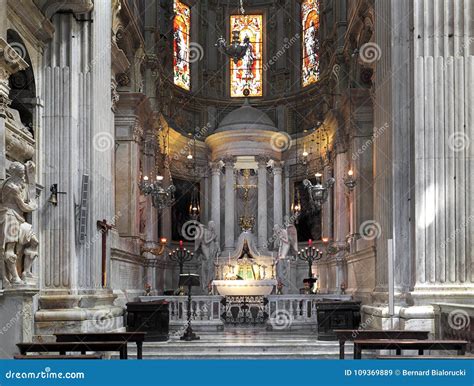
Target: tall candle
(181, 244)
(310, 242)
(229, 258)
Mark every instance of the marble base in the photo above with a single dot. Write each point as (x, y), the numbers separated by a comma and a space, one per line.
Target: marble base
(17, 307)
(404, 318)
(78, 313)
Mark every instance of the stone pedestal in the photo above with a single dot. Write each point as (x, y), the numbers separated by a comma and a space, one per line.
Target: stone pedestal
(17, 307)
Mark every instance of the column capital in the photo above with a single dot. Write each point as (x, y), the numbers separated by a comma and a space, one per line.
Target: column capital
(277, 167)
(229, 161)
(262, 160)
(215, 167)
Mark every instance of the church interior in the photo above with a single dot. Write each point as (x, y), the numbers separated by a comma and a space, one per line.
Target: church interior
(236, 178)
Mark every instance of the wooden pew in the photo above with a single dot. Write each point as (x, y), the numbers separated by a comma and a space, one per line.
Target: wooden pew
(82, 347)
(402, 344)
(350, 335)
(135, 337)
(55, 357)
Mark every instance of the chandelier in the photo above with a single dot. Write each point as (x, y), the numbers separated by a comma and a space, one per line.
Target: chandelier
(194, 209)
(318, 193)
(161, 196)
(236, 49)
(296, 206)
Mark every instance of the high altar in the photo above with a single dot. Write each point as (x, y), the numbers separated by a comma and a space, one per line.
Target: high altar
(246, 271)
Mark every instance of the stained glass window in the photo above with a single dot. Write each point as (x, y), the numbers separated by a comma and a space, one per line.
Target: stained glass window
(247, 73)
(181, 29)
(310, 41)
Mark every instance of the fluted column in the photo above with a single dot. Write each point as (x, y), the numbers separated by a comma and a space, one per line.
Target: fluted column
(229, 203)
(341, 217)
(277, 194)
(262, 201)
(216, 196)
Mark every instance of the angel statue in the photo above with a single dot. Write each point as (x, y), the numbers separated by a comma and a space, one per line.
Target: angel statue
(208, 245)
(287, 239)
(18, 242)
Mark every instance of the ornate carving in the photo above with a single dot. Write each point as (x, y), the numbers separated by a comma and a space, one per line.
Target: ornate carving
(19, 244)
(123, 79)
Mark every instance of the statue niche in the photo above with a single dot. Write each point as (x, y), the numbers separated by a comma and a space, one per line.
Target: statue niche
(18, 242)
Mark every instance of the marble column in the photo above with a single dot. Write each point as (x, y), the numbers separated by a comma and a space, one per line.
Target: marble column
(229, 203)
(166, 212)
(216, 196)
(443, 130)
(286, 211)
(262, 201)
(341, 217)
(277, 194)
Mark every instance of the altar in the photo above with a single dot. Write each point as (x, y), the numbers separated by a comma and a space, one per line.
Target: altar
(244, 287)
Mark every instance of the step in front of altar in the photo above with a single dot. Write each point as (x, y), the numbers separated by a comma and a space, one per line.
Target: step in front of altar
(243, 345)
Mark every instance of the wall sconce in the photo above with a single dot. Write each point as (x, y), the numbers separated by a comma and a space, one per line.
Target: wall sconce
(53, 198)
(156, 251)
(350, 181)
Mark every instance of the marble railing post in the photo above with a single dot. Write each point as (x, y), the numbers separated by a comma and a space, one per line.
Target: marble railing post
(277, 194)
(262, 201)
(216, 196)
(229, 203)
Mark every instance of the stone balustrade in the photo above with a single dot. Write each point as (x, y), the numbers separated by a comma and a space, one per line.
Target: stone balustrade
(206, 312)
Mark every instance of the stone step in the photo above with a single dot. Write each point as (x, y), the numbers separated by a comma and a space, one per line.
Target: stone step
(243, 345)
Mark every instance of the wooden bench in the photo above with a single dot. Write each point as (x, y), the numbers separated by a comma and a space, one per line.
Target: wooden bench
(54, 357)
(82, 347)
(402, 344)
(135, 337)
(350, 335)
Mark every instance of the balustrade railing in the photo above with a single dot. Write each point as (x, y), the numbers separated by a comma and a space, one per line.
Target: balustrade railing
(206, 310)
(284, 311)
(292, 311)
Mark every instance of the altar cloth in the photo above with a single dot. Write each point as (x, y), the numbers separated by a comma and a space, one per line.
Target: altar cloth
(244, 287)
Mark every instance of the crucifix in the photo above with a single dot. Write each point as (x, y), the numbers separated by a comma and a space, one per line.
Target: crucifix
(104, 228)
(246, 222)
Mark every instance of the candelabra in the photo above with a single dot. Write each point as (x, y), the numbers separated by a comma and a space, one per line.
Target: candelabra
(310, 255)
(181, 255)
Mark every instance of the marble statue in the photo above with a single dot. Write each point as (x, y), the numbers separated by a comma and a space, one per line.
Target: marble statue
(208, 245)
(18, 242)
(287, 239)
